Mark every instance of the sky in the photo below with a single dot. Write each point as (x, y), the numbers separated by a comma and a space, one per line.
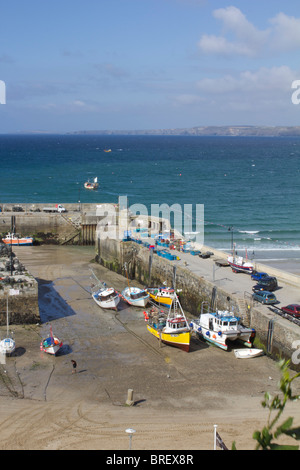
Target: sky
(73, 65)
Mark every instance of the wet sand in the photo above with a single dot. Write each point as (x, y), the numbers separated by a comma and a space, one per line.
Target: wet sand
(178, 396)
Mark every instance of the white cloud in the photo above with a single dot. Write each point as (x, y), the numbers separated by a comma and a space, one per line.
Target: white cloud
(264, 80)
(282, 35)
(286, 32)
(248, 39)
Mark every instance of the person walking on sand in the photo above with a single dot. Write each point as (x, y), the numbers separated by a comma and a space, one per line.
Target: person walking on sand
(74, 366)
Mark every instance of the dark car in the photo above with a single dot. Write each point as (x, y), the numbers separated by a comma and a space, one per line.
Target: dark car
(256, 276)
(267, 283)
(265, 297)
(292, 309)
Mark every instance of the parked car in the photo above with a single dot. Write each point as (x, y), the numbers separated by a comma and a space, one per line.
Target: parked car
(257, 276)
(265, 297)
(267, 283)
(292, 309)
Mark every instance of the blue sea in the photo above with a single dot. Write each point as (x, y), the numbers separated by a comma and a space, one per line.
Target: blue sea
(250, 187)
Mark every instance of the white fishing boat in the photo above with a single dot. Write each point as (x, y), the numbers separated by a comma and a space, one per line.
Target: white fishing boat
(7, 344)
(240, 264)
(51, 344)
(92, 185)
(106, 297)
(135, 296)
(248, 353)
(170, 327)
(221, 327)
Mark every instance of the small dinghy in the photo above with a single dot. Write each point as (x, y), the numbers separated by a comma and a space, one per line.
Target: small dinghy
(248, 353)
(51, 344)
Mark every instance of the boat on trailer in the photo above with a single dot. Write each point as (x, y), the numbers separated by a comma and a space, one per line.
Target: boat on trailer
(240, 264)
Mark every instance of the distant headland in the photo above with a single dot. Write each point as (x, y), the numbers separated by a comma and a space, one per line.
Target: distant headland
(231, 131)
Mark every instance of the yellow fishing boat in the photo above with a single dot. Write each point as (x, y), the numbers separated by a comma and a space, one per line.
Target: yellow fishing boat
(162, 295)
(171, 328)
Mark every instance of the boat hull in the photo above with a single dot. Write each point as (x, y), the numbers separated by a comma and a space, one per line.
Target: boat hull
(53, 348)
(18, 241)
(179, 340)
(7, 346)
(107, 304)
(165, 301)
(136, 302)
(248, 353)
(243, 335)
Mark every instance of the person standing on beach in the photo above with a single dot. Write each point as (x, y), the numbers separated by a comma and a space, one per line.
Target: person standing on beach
(74, 366)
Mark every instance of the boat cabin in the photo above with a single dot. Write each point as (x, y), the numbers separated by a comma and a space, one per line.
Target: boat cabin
(220, 321)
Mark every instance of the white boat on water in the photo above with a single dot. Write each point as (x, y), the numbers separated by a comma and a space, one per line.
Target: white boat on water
(222, 326)
(7, 344)
(92, 185)
(240, 264)
(135, 296)
(248, 353)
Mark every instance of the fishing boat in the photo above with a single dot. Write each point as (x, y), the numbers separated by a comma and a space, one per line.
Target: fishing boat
(92, 185)
(248, 353)
(51, 344)
(161, 295)
(15, 240)
(7, 344)
(221, 327)
(135, 296)
(239, 264)
(106, 297)
(170, 327)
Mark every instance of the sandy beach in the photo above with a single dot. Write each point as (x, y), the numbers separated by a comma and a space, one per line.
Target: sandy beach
(178, 396)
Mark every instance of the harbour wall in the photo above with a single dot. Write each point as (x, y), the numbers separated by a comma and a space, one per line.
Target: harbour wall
(146, 267)
(75, 226)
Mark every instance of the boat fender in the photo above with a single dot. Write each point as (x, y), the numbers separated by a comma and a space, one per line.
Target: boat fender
(220, 333)
(214, 336)
(199, 329)
(207, 333)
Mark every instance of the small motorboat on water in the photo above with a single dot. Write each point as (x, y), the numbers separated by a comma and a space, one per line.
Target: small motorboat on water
(51, 344)
(14, 239)
(135, 296)
(170, 327)
(92, 185)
